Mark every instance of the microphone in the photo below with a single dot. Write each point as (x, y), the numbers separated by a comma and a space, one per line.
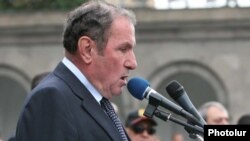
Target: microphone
(140, 89)
(177, 92)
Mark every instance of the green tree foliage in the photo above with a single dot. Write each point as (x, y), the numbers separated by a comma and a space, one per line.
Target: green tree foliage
(17, 5)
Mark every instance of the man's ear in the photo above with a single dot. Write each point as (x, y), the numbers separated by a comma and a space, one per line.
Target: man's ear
(85, 46)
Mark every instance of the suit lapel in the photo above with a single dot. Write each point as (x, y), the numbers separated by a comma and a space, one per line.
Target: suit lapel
(89, 104)
(95, 110)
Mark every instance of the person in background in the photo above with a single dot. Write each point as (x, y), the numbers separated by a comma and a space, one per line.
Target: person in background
(139, 127)
(244, 120)
(214, 113)
(73, 102)
(177, 137)
(37, 78)
(11, 138)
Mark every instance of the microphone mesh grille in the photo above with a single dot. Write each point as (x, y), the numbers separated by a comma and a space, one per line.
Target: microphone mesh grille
(137, 86)
(173, 88)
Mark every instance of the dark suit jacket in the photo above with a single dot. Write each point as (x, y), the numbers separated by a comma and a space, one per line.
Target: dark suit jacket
(60, 108)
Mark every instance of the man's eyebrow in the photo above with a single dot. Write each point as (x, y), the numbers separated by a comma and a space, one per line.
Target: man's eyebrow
(127, 44)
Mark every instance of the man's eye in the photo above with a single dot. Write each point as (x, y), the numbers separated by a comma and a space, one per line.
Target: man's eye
(123, 49)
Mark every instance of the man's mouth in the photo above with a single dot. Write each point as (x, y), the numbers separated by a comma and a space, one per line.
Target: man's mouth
(124, 78)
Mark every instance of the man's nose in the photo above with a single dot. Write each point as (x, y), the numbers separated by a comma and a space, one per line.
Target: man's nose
(131, 62)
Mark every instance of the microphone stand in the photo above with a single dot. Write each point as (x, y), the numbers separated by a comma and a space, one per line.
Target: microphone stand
(152, 110)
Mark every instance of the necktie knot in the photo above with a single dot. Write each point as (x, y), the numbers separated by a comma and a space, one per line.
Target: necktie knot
(106, 105)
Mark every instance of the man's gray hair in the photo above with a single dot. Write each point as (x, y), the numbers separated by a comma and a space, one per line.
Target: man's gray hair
(92, 19)
(204, 108)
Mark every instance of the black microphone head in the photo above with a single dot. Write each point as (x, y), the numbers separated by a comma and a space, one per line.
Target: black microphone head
(174, 89)
(137, 86)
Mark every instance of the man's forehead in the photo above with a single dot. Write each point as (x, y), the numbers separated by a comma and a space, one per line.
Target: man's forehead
(217, 111)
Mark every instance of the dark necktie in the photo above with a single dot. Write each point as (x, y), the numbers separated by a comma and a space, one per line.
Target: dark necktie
(106, 105)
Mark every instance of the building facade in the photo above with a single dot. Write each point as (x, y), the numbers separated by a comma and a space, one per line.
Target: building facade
(206, 50)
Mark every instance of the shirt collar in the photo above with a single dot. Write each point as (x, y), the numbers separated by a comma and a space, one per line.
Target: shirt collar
(82, 78)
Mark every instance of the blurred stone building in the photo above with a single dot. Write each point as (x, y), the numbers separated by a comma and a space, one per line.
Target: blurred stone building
(206, 50)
